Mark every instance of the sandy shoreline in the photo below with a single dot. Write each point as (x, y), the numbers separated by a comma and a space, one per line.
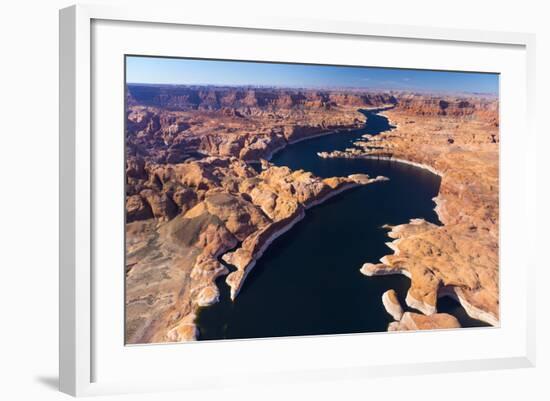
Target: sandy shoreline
(391, 159)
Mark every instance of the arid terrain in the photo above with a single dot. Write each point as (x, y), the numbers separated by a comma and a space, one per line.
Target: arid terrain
(197, 209)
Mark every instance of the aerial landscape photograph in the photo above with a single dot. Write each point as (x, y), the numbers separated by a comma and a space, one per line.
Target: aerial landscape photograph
(270, 199)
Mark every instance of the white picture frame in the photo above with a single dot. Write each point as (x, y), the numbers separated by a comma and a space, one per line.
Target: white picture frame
(77, 367)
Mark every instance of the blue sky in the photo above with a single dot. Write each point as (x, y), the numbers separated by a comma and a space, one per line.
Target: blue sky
(191, 71)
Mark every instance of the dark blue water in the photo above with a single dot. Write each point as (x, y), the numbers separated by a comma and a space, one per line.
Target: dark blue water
(308, 281)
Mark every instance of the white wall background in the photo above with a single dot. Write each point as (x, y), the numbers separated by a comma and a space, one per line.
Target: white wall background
(29, 196)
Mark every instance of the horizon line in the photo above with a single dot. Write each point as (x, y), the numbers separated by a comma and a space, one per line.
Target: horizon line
(432, 91)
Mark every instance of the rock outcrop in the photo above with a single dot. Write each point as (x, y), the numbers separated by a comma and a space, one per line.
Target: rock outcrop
(417, 321)
(407, 321)
(392, 305)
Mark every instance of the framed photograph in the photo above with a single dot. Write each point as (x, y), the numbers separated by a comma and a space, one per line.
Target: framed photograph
(295, 200)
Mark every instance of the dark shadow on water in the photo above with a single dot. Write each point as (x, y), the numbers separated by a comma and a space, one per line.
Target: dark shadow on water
(453, 307)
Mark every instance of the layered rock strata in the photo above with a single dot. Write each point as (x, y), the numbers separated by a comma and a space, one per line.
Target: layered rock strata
(410, 321)
(416, 321)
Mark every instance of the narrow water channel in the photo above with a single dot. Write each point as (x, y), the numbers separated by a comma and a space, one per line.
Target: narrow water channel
(308, 281)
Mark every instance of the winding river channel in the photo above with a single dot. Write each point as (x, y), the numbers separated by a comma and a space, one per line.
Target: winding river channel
(308, 281)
